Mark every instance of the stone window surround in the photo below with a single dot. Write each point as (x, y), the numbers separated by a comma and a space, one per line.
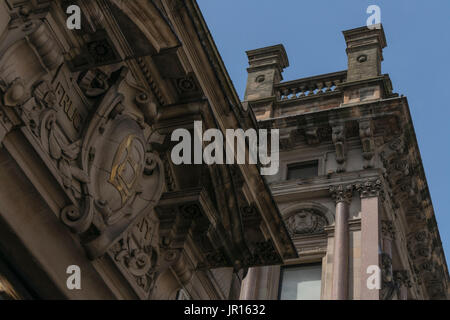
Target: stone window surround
(293, 160)
(296, 263)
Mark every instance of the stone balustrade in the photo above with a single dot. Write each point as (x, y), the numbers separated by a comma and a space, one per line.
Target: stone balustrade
(311, 86)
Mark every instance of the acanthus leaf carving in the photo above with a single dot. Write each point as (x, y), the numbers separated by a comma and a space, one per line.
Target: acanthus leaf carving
(341, 193)
(369, 188)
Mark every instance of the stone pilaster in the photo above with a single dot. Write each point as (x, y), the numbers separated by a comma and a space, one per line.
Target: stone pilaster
(370, 233)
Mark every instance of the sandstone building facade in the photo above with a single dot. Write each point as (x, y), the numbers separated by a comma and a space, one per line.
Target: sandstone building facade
(86, 177)
(351, 185)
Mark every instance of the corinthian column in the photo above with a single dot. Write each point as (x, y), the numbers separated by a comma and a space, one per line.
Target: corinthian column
(342, 195)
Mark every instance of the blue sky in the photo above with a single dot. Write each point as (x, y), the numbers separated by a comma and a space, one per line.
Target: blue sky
(416, 58)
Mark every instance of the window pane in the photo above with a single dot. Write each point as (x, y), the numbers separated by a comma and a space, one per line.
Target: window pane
(301, 283)
(303, 170)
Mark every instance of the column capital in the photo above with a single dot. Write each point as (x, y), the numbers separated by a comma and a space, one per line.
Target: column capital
(342, 193)
(369, 188)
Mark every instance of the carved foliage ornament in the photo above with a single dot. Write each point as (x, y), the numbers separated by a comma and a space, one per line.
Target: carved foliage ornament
(137, 254)
(341, 193)
(369, 188)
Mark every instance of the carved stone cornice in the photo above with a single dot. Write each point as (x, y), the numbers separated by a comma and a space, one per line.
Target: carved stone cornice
(342, 193)
(369, 188)
(402, 278)
(387, 229)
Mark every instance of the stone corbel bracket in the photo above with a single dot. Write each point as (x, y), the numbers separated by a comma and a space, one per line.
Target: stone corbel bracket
(190, 214)
(339, 141)
(367, 141)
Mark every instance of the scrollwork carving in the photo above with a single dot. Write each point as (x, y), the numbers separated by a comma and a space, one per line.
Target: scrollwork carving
(121, 176)
(137, 252)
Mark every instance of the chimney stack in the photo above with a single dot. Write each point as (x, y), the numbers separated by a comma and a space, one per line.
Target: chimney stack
(364, 52)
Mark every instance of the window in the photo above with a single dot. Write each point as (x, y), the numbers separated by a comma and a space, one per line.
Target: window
(303, 170)
(301, 282)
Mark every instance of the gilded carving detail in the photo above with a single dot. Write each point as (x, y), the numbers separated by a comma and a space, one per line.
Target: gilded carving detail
(126, 168)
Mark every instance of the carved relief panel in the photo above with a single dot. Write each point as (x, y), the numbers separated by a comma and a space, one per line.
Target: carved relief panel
(125, 175)
(306, 221)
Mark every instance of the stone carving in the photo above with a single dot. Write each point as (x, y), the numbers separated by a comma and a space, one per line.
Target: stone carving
(137, 253)
(419, 245)
(14, 94)
(388, 286)
(148, 107)
(312, 135)
(126, 175)
(338, 136)
(46, 47)
(93, 83)
(369, 188)
(307, 221)
(366, 135)
(402, 278)
(341, 193)
(398, 145)
(60, 149)
(186, 84)
(387, 229)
